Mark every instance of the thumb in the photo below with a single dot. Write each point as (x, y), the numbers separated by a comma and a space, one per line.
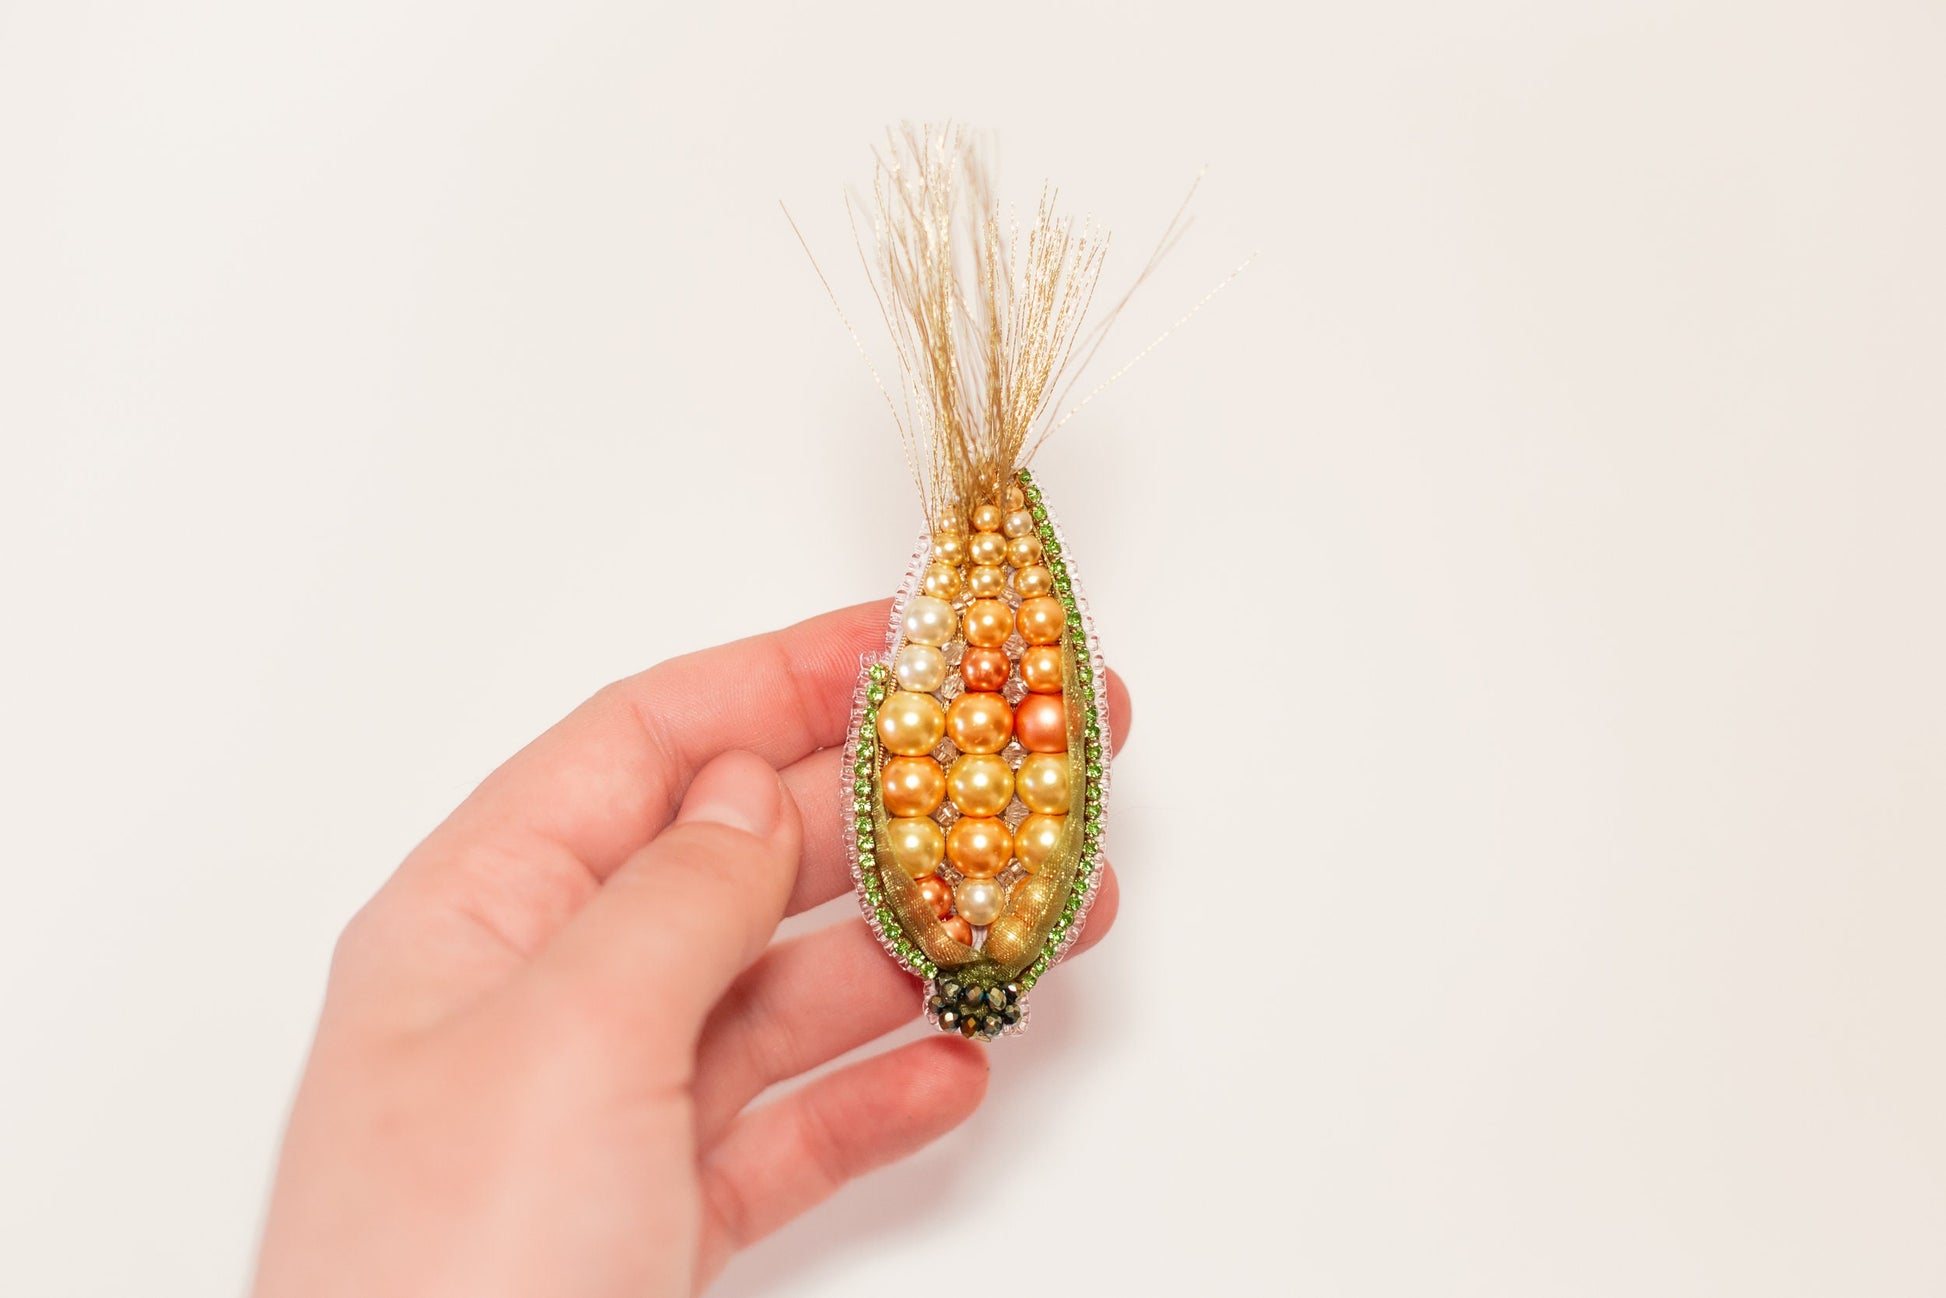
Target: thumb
(670, 929)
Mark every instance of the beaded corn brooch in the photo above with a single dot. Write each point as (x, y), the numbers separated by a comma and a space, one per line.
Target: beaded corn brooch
(978, 753)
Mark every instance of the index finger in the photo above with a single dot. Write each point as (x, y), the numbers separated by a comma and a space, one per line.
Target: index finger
(533, 844)
(607, 778)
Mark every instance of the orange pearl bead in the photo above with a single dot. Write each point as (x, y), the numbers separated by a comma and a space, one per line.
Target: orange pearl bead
(911, 724)
(1037, 838)
(916, 844)
(912, 786)
(1043, 783)
(980, 723)
(958, 929)
(1042, 619)
(980, 784)
(938, 894)
(1042, 723)
(987, 622)
(985, 670)
(979, 846)
(1040, 669)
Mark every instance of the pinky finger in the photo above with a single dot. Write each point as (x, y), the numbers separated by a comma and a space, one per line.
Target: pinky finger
(777, 1162)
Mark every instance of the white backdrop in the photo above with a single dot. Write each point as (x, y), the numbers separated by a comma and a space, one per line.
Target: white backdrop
(1528, 575)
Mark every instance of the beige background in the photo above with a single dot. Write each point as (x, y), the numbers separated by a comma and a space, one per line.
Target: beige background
(1529, 575)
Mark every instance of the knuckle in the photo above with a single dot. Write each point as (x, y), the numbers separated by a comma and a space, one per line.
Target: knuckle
(727, 1201)
(354, 943)
(771, 1045)
(823, 1148)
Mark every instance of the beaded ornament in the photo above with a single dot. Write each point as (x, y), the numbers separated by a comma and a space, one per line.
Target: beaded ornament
(978, 754)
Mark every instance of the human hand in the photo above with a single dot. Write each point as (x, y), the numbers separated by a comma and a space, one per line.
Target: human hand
(540, 1038)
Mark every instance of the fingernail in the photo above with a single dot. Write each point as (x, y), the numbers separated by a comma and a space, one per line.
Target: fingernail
(738, 790)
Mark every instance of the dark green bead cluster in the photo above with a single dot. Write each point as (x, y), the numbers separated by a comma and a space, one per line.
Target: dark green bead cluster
(974, 1011)
(1088, 690)
(864, 768)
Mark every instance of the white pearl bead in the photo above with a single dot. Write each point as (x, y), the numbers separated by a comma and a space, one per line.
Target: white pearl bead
(920, 668)
(1019, 523)
(929, 621)
(979, 900)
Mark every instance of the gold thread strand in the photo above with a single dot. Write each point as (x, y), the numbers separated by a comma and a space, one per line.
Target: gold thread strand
(988, 311)
(843, 319)
(1157, 342)
(1172, 234)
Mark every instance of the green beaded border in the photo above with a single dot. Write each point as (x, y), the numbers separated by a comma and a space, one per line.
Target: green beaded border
(1097, 768)
(864, 770)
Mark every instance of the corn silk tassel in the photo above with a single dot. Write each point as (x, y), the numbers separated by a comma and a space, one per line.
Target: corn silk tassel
(978, 752)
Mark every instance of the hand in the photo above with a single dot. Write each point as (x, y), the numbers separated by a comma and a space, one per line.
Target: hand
(540, 1038)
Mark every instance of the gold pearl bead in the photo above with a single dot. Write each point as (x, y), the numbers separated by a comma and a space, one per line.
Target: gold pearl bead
(911, 724)
(988, 623)
(916, 844)
(942, 580)
(980, 784)
(1042, 783)
(1041, 620)
(1034, 581)
(1023, 551)
(929, 620)
(978, 900)
(978, 723)
(987, 547)
(979, 846)
(987, 518)
(920, 667)
(949, 547)
(1037, 838)
(1018, 523)
(1013, 498)
(1040, 669)
(912, 786)
(986, 582)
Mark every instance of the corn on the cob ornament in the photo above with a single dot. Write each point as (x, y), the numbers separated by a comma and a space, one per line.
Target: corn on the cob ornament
(978, 753)
(978, 761)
